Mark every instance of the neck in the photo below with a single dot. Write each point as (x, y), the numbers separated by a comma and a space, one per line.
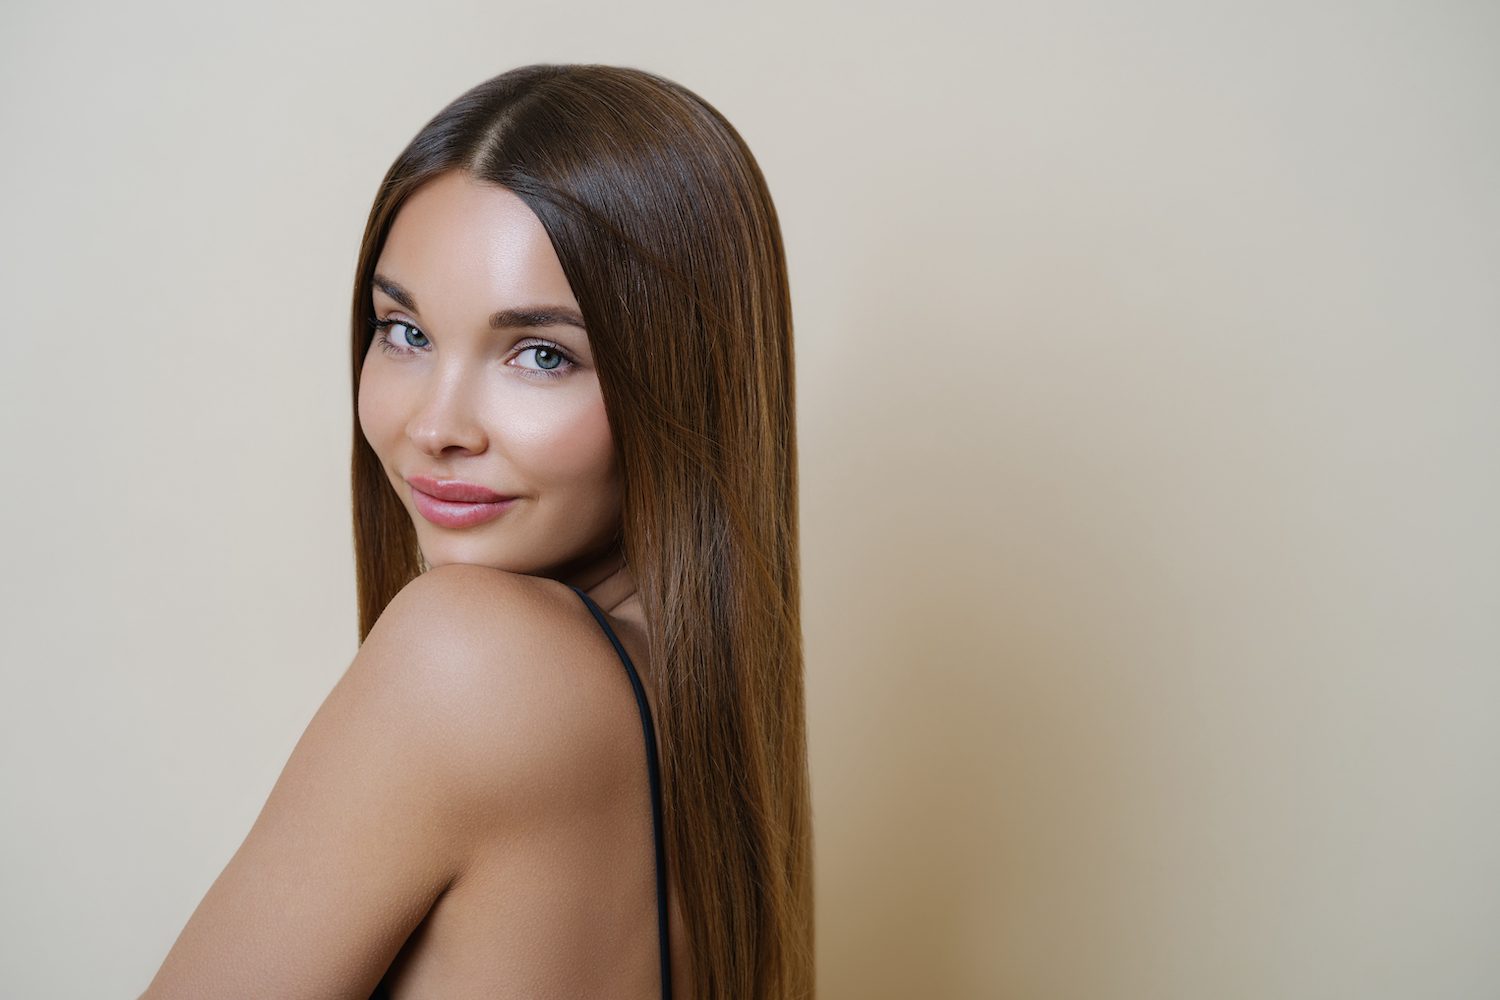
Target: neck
(608, 582)
(604, 576)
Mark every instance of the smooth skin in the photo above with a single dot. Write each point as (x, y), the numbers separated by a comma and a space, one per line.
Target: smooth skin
(471, 800)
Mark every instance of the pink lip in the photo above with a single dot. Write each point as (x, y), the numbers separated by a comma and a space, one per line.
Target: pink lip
(448, 510)
(455, 489)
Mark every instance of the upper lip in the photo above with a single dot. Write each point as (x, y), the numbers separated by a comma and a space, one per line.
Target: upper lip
(455, 489)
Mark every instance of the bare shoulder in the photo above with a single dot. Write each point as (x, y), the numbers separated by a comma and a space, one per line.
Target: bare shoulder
(510, 673)
(483, 627)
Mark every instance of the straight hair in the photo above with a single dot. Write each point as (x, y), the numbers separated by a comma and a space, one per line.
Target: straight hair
(667, 234)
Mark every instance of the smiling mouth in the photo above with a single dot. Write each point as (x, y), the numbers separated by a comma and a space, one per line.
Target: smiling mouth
(458, 513)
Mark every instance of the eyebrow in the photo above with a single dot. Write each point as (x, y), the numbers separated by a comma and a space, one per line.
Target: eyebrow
(524, 316)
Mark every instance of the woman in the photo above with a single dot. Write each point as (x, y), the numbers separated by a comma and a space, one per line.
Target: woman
(569, 758)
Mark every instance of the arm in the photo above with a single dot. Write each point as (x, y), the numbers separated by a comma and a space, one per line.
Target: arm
(379, 807)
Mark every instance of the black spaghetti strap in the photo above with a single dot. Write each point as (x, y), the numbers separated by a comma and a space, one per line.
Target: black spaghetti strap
(653, 772)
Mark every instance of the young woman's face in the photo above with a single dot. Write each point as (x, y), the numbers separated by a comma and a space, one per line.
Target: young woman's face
(484, 376)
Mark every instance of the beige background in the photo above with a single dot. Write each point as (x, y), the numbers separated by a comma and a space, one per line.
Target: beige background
(1149, 380)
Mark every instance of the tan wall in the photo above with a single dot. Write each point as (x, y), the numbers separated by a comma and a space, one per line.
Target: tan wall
(1149, 374)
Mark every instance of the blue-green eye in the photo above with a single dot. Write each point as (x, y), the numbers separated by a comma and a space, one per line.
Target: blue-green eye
(382, 329)
(547, 358)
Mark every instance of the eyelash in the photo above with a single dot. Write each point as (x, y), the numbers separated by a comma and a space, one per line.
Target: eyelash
(382, 326)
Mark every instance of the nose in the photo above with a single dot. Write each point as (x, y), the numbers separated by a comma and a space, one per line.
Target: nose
(446, 416)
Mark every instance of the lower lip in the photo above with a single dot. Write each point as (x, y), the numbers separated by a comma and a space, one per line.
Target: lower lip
(457, 513)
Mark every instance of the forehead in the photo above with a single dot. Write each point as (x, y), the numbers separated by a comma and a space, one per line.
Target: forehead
(465, 244)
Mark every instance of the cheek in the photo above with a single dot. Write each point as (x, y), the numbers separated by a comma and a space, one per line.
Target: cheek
(374, 408)
(565, 443)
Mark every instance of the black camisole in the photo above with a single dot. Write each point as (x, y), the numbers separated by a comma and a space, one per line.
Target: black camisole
(382, 989)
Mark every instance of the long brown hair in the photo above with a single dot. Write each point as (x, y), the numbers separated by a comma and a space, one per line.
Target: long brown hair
(668, 236)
